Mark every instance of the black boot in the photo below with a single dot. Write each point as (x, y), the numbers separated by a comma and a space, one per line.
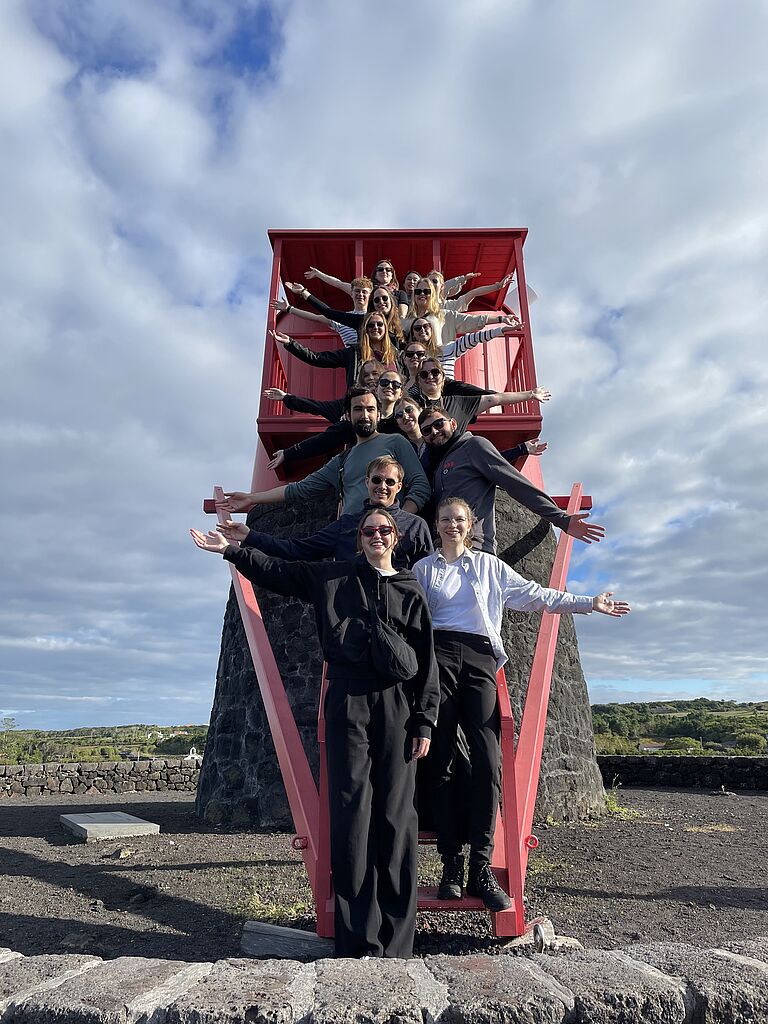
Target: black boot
(482, 883)
(452, 880)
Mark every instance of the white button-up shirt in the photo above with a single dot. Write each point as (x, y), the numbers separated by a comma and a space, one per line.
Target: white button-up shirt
(495, 587)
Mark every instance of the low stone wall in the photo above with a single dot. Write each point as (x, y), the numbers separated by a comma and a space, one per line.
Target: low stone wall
(684, 771)
(170, 773)
(654, 984)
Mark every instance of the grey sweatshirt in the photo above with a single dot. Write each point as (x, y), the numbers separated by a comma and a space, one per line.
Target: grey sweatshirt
(472, 470)
(415, 483)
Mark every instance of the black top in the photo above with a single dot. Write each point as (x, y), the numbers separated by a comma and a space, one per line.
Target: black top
(340, 432)
(339, 593)
(334, 358)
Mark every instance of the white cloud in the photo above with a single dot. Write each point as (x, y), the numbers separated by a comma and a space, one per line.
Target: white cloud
(147, 165)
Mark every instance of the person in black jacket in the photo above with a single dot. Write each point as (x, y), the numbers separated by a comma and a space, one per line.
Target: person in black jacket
(376, 727)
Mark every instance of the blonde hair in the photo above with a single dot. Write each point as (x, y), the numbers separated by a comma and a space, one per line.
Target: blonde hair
(433, 303)
(366, 349)
(470, 516)
(384, 460)
(441, 277)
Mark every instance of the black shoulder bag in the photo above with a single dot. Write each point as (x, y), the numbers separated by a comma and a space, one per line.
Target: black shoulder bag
(392, 657)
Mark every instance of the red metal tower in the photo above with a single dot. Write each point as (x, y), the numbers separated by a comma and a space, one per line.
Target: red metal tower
(504, 365)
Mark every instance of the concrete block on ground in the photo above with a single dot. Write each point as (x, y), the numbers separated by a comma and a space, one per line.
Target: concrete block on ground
(21, 976)
(376, 991)
(107, 825)
(274, 991)
(486, 989)
(278, 943)
(723, 990)
(120, 991)
(612, 988)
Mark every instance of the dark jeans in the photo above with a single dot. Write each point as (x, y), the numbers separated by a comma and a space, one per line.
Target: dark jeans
(467, 698)
(374, 831)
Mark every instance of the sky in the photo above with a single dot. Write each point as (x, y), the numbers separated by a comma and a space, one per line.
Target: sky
(148, 145)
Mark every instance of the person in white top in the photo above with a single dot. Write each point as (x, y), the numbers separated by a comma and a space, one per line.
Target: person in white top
(467, 592)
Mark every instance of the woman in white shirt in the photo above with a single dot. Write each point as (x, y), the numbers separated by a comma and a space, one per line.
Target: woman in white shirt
(467, 592)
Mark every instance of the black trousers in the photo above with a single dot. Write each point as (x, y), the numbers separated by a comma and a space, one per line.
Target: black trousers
(467, 698)
(374, 831)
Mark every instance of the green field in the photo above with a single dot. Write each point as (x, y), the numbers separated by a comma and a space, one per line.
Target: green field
(108, 743)
(682, 727)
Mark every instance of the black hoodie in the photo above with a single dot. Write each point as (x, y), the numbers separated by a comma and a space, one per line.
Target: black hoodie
(338, 592)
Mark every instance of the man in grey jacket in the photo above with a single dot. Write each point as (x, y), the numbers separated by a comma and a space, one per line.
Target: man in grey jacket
(470, 467)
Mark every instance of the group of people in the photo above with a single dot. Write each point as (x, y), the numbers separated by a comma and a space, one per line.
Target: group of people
(407, 590)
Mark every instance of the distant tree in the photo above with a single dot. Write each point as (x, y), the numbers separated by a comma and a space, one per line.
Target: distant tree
(751, 742)
(682, 745)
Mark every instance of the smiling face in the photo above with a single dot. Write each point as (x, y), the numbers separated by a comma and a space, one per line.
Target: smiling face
(410, 281)
(430, 378)
(454, 523)
(436, 428)
(407, 418)
(360, 297)
(369, 374)
(384, 482)
(381, 300)
(384, 273)
(422, 294)
(390, 386)
(376, 537)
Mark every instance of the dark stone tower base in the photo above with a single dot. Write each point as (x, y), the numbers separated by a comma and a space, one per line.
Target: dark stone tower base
(240, 780)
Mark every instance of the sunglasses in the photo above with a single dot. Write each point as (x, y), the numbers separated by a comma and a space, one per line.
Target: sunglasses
(406, 412)
(381, 300)
(414, 353)
(430, 374)
(375, 326)
(427, 428)
(422, 328)
(371, 531)
(389, 382)
(390, 481)
(387, 270)
(421, 291)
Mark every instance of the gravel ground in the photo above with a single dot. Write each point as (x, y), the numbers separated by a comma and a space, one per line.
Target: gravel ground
(677, 865)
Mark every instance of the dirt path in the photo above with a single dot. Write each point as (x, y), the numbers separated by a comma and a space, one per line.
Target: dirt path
(681, 865)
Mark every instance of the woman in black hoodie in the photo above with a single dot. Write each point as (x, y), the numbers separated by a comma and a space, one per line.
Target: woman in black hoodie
(376, 728)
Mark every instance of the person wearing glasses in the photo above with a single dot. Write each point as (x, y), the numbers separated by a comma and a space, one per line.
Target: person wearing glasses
(447, 323)
(406, 416)
(389, 388)
(461, 303)
(423, 334)
(465, 407)
(338, 539)
(383, 275)
(466, 464)
(345, 474)
(467, 591)
(377, 728)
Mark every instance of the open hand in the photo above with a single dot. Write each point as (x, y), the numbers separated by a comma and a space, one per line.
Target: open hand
(280, 338)
(275, 394)
(234, 532)
(536, 447)
(211, 541)
(583, 531)
(309, 274)
(505, 281)
(541, 394)
(277, 459)
(281, 305)
(236, 501)
(603, 603)
(293, 287)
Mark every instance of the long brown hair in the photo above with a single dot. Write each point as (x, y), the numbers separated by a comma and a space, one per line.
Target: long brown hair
(394, 327)
(394, 283)
(366, 349)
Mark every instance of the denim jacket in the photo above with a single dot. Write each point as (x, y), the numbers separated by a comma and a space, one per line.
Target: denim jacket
(496, 587)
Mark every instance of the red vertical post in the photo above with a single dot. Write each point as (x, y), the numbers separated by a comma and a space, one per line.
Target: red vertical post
(529, 365)
(323, 888)
(436, 262)
(359, 271)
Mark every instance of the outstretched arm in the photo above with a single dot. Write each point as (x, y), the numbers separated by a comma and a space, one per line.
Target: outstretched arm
(334, 282)
(603, 603)
(512, 398)
(243, 501)
(283, 306)
(485, 289)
